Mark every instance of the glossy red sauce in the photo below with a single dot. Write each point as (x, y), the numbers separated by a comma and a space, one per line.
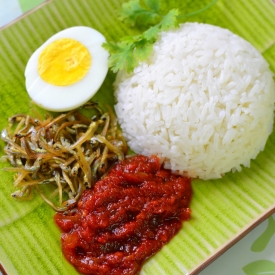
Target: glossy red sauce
(126, 218)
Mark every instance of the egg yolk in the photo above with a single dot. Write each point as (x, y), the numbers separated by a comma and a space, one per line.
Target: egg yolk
(64, 62)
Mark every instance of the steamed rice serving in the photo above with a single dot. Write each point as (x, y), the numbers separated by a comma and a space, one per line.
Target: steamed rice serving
(203, 103)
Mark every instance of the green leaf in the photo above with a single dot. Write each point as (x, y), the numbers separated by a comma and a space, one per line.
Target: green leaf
(153, 5)
(121, 57)
(132, 13)
(143, 50)
(152, 33)
(170, 20)
(111, 47)
(131, 49)
(131, 39)
(260, 267)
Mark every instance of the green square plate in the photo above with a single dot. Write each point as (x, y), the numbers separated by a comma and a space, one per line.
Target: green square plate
(223, 210)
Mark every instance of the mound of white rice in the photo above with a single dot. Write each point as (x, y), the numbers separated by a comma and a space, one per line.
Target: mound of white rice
(203, 103)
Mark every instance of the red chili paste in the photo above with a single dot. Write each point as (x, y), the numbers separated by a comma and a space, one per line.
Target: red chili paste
(126, 218)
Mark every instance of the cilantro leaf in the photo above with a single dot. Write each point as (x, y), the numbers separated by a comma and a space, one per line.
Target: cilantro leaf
(170, 20)
(152, 33)
(156, 16)
(141, 14)
(131, 49)
(153, 5)
(143, 49)
(121, 56)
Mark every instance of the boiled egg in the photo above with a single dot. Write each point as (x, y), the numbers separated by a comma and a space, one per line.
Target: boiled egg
(68, 69)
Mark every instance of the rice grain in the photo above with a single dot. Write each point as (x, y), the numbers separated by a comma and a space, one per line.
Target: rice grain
(203, 102)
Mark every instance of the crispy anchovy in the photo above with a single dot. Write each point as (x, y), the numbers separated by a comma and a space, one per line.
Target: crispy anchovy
(18, 127)
(24, 194)
(68, 152)
(83, 164)
(59, 186)
(88, 135)
(111, 147)
(64, 125)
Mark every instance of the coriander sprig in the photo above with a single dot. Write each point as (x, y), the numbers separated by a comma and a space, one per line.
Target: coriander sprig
(131, 49)
(141, 12)
(156, 16)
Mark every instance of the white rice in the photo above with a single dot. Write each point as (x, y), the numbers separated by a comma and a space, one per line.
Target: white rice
(203, 103)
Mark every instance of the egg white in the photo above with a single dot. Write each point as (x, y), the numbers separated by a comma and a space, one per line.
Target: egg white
(64, 98)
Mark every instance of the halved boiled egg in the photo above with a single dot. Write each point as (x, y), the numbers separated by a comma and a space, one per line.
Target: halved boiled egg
(68, 69)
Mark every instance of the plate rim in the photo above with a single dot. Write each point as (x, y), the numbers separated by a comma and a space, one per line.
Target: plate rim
(221, 250)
